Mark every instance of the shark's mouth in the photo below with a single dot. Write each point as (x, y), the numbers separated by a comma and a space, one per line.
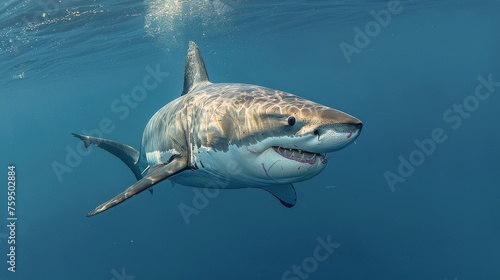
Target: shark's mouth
(299, 155)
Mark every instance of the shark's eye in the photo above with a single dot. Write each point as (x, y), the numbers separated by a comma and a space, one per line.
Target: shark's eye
(291, 121)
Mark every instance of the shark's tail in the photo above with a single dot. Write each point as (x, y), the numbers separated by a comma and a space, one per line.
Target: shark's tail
(128, 154)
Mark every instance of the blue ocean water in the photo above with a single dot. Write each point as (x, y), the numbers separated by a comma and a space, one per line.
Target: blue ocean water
(417, 196)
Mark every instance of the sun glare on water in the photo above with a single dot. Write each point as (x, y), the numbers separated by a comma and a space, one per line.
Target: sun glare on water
(169, 21)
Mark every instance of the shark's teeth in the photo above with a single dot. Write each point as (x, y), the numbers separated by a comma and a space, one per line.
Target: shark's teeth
(297, 155)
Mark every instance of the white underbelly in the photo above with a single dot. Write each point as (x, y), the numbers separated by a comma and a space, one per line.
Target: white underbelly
(222, 170)
(203, 179)
(238, 167)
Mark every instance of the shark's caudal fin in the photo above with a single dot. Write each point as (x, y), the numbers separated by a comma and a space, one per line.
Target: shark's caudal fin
(284, 193)
(129, 155)
(156, 173)
(195, 73)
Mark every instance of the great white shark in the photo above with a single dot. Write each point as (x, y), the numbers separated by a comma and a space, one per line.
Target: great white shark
(274, 138)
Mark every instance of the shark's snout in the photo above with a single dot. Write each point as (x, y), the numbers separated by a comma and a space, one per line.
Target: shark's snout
(333, 136)
(349, 128)
(358, 125)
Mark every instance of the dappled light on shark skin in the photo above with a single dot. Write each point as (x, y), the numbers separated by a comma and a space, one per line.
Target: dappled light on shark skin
(273, 138)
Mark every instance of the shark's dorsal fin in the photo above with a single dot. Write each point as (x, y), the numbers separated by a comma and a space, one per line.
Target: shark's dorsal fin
(284, 193)
(195, 72)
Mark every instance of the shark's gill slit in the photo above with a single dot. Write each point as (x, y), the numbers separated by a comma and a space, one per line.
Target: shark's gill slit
(273, 164)
(267, 173)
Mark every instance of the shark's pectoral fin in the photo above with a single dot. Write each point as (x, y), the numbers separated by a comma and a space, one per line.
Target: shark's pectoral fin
(284, 193)
(156, 174)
